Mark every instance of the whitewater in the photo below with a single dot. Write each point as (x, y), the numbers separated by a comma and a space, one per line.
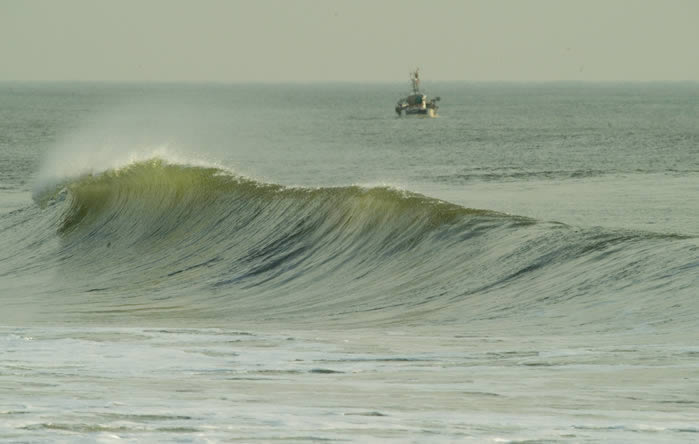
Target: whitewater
(295, 263)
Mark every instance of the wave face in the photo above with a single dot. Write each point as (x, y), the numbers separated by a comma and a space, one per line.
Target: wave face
(166, 241)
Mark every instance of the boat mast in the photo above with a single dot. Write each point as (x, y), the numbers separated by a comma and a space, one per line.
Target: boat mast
(415, 79)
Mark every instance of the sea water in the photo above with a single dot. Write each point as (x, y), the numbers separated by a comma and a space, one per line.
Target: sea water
(296, 263)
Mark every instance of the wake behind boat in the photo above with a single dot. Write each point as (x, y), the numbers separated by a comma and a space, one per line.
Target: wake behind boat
(417, 103)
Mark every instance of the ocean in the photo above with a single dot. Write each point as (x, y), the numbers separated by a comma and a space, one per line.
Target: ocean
(296, 263)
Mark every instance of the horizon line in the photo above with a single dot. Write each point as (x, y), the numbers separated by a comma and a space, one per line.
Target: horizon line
(328, 82)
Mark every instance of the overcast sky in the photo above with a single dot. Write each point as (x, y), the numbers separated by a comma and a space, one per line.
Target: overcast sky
(357, 40)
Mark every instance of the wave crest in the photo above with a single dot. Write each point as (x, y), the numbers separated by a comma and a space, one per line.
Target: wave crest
(167, 192)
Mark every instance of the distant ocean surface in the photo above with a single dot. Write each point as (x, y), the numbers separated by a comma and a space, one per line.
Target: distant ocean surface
(296, 263)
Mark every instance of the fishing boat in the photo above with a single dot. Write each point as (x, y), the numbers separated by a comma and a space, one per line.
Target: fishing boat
(417, 103)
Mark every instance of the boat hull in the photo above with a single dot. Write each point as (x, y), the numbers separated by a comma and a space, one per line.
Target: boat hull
(425, 112)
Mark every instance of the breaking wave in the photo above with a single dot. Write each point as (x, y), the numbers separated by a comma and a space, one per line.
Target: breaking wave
(175, 242)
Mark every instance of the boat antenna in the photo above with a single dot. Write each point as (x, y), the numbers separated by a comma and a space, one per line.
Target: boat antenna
(415, 79)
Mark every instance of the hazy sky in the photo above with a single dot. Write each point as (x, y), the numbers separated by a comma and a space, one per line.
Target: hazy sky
(358, 40)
